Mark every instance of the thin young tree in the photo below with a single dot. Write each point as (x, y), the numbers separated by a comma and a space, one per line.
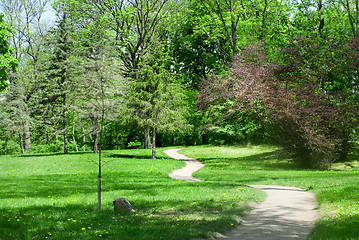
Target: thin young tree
(100, 84)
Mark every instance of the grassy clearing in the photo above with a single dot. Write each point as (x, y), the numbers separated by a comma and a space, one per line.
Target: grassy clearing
(53, 196)
(337, 191)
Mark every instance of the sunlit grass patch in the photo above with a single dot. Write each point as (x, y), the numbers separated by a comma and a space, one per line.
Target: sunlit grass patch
(337, 191)
(53, 196)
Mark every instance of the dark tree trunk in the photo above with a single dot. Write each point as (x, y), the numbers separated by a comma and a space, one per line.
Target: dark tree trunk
(83, 139)
(65, 125)
(27, 143)
(343, 150)
(147, 139)
(95, 133)
(73, 131)
(21, 144)
(95, 142)
(154, 144)
(5, 143)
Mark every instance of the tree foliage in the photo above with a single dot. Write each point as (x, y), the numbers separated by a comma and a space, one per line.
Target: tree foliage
(154, 100)
(7, 60)
(301, 81)
(288, 98)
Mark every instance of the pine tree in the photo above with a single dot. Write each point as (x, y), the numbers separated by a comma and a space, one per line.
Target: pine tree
(58, 84)
(155, 101)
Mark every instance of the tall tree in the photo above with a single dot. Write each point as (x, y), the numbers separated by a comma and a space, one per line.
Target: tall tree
(155, 101)
(58, 83)
(98, 76)
(7, 61)
(196, 48)
(222, 10)
(135, 24)
(26, 17)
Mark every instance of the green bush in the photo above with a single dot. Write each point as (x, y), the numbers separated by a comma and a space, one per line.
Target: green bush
(57, 146)
(72, 147)
(12, 147)
(42, 148)
(134, 145)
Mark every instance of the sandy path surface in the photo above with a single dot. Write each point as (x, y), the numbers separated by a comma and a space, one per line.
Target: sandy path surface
(286, 213)
(184, 173)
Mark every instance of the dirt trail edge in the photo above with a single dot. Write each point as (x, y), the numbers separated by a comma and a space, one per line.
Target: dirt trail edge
(184, 173)
(286, 213)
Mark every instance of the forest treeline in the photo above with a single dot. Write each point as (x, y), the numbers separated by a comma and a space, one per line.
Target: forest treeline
(141, 73)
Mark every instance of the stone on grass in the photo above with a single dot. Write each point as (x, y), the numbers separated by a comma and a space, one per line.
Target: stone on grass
(122, 205)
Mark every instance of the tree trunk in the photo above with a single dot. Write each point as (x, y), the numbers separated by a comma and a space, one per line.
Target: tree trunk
(95, 133)
(147, 138)
(99, 190)
(27, 143)
(99, 165)
(343, 150)
(154, 144)
(65, 125)
(95, 142)
(234, 23)
(84, 139)
(21, 144)
(73, 131)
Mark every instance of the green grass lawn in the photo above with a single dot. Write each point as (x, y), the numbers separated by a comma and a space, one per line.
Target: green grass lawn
(53, 196)
(337, 191)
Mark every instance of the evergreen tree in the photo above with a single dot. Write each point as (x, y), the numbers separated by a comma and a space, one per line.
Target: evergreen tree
(154, 100)
(58, 83)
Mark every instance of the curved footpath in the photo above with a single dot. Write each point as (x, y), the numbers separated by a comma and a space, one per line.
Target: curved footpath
(184, 173)
(286, 213)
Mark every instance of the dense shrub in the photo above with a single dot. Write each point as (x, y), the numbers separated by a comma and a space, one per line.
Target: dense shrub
(289, 100)
(11, 147)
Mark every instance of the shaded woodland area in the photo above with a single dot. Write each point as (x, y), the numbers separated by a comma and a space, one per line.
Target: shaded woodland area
(142, 73)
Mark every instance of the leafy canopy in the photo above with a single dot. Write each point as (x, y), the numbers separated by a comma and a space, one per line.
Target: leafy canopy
(7, 61)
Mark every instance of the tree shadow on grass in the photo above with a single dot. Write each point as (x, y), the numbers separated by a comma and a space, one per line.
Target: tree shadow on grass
(156, 217)
(341, 228)
(43, 186)
(129, 156)
(79, 222)
(276, 160)
(52, 154)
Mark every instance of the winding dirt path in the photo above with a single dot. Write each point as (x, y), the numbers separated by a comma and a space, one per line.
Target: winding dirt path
(184, 173)
(287, 212)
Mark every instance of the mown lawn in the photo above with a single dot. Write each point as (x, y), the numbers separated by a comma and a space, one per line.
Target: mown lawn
(53, 196)
(337, 191)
